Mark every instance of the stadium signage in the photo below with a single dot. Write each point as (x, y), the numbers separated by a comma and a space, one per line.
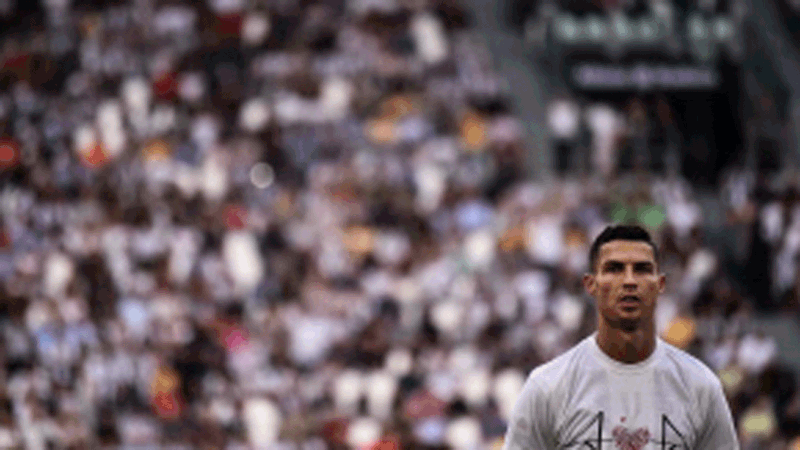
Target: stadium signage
(658, 49)
(704, 39)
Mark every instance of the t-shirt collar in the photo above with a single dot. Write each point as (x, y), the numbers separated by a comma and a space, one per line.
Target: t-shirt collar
(620, 366)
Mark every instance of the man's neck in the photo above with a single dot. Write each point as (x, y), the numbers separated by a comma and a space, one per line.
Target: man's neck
(626, 347)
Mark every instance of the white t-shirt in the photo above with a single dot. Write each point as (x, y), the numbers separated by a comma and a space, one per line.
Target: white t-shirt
(584, 399)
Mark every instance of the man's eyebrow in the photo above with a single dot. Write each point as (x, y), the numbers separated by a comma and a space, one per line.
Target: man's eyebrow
(610, 262)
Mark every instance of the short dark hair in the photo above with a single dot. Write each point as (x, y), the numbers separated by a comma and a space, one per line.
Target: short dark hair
(620, 233)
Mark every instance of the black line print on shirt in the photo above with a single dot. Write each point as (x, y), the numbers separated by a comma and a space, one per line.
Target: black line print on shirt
(591, 437)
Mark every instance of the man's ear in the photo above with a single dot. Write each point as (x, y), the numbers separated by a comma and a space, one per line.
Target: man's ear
(589, 283)
(662, 283)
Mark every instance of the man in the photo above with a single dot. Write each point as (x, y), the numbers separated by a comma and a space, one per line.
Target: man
(622, 387)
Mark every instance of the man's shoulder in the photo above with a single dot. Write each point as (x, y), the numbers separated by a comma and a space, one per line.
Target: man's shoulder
(688, 367)
(559, 368)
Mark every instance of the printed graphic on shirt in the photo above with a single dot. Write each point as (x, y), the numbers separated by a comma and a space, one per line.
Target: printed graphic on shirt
(621, 437)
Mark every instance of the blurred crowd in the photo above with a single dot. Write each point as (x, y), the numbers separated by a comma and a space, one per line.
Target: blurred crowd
(610, 138)
(789, 11)
(306, 225)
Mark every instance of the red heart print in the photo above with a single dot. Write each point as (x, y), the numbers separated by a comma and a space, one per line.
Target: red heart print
(626, 440)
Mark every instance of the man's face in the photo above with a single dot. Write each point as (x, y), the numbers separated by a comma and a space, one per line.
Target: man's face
(625, 284)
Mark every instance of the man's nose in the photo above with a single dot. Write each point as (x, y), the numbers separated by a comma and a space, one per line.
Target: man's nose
(630, 281)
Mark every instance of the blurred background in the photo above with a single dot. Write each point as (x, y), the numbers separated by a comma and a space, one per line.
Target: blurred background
(359, 224)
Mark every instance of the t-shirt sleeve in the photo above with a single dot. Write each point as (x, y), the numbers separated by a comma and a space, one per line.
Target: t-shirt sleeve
(529, 427)
(718, 431)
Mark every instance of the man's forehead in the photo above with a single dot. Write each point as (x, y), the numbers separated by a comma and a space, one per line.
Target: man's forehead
(620, 250)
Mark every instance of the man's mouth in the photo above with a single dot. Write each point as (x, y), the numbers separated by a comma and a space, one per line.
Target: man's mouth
(630, 301)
